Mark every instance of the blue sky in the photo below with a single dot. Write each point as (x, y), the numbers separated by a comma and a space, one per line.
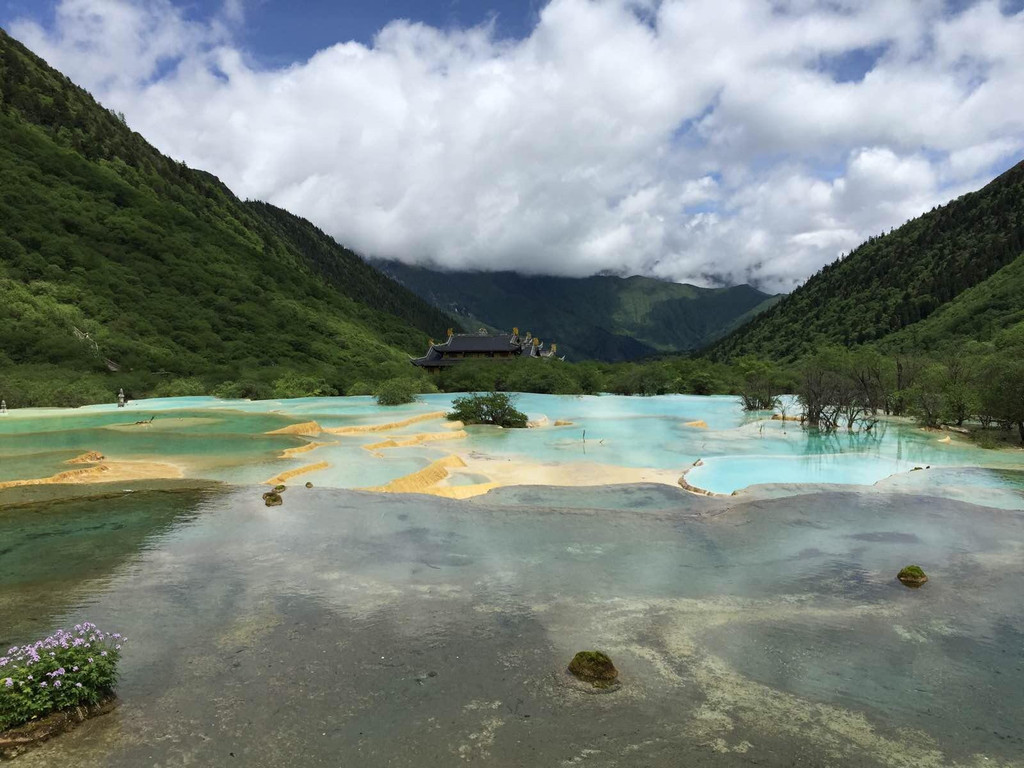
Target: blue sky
(283, 31)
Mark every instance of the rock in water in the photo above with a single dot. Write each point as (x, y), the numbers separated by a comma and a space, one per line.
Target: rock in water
(594, 667)
(309, 485)
(912, 576)
(273, 499)
(280, 488)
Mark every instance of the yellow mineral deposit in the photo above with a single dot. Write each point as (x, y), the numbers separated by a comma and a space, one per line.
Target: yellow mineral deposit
(290, 453)
(305, 429)
(420, 439)
(92, 457)
(364, 428)
(284, 477)
(106, 472)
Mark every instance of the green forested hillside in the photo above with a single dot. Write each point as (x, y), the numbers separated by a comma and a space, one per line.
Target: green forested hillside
(598, 318)
(955, 272)
(979, 313)
(121, 267)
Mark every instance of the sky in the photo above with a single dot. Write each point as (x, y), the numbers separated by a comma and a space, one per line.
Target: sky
(707, 141)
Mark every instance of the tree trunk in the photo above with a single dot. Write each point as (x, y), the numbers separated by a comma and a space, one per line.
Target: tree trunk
(1020, 428)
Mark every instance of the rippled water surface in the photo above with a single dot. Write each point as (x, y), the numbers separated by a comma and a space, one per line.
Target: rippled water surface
(347, 628)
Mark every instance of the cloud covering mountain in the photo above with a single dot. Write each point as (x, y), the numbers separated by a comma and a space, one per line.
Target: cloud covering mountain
(709, 141)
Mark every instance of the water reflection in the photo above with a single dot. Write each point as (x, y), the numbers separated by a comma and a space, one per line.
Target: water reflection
(416, 631)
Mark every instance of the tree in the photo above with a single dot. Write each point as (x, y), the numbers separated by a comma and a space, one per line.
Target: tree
(761, 384)
(396, 392)
(926, 397)
(1003, 394)
(496, 408)
(960, 397)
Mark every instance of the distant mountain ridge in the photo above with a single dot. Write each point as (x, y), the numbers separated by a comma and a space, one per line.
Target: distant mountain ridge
(953, 274)
(600, 317)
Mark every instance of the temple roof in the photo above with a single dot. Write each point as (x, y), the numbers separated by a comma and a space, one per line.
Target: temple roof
(503, 344)
(476, 342)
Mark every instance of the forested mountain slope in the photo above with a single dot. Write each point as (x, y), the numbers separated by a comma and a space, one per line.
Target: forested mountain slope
(119, 263)
(953, 272)
(979, 313)
(600, 318)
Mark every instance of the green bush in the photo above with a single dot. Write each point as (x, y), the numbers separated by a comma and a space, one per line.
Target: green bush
(243, 390)
(296, 385)
(359, 389)
(185, 387)
(544, 377)
(987, 439)
(65, 670)
(396, 392)
(496, 408)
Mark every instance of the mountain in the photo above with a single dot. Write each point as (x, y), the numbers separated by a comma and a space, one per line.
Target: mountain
(953, 274)
(122, 266)
(601, 317)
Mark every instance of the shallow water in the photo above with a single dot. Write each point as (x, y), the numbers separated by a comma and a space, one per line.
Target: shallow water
(348, 628)
(226, 441)
(761, 628)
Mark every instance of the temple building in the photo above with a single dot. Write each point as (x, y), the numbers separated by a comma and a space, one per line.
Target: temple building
(463, 346)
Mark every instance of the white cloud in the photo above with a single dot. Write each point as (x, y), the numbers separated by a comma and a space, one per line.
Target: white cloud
(706, 140)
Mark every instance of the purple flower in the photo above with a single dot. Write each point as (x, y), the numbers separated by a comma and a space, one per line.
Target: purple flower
(57, 684)
(8, 683)
(78, 685)
(90, 659)
(103, 653)
(42, 685)
(74, 669)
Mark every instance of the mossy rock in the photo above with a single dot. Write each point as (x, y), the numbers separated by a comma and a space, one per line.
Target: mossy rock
(280, 488)
(912, 576)
(309, 485)
(273, 499)
(594, 667)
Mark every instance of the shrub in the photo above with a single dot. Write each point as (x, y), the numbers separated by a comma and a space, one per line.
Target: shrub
(65, 670)
(701, 383)
(243, 390)
(396, 392)
(186, 387)
(296, 385)
(359, 389)
(494, 408)
(545, 377)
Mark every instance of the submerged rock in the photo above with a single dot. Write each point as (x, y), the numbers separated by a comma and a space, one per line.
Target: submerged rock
(280, 488)
(309, 485)
(912, 576)
(273, 499)
(594, 667)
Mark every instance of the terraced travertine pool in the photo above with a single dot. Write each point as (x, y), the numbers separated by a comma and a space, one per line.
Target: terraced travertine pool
(383, 629)
(597, 440)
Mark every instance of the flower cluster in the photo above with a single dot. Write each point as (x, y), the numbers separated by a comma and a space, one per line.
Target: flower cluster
(64, 670)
